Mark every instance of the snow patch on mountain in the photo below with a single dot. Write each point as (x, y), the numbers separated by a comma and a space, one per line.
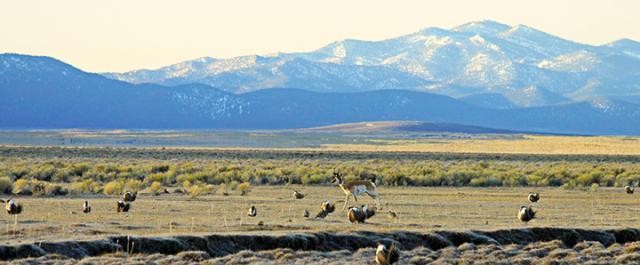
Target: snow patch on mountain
(477, 57)
(580, 61)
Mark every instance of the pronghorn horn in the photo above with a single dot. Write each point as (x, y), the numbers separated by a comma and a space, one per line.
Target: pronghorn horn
(337, 172)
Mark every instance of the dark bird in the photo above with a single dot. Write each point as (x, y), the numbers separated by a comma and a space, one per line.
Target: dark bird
(325, 209)
(306, 213)
(252, 211)
(387, 255)
(526, 214)
(123, 206)
(534, 197)
(12, 207)
(368, 212)
(298, 195)
(360, 214)
(86, 208)
(166, 190)
(629, 189)
(356, 215)
(322, 214)
(129, 196)
(392, 215)
(328, 207)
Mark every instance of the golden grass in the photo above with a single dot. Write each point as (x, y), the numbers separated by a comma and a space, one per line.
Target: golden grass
(418, 209)
(530, 144)
(524, 144)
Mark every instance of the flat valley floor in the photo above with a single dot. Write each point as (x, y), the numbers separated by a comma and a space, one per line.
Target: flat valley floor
(419, 209)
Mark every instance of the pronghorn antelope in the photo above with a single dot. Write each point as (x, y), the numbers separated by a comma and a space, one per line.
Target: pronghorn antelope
(252, 211)
(298, 195)
(534, 197)
(123, 206)
(86, 208)
(629, 189)
(12, 207)
(387, 255)
(129, 196)
(355, 188)
(526, 214)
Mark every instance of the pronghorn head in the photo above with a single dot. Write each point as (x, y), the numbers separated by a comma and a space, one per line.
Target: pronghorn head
(337, 177)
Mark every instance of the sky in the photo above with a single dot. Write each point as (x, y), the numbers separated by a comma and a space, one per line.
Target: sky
(123, 35)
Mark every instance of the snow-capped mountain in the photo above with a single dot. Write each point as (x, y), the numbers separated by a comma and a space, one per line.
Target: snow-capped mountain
(248, 73)
(43, 93)
(474, 58)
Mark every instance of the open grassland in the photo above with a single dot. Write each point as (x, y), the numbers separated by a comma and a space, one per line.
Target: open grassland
(334, 141)
(529, 144)
(96, 170)
(439, 217)
(450, 206)
(418, 209)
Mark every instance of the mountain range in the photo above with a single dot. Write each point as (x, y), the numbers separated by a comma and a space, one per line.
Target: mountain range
(476, 60)
(481, 74)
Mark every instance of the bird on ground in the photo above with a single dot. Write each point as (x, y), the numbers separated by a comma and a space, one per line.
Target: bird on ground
(628, 189)
(392, 215)
(360, 214)
(526, 214)
(328, 207)
(129, 196)
(368, 212)
(86, 208)
(306, 213)
(356, 215)
(534, 197)
(123, 206)
(322, 214)
(325, 209)
(387, 255)
(252, 211)
(298, 195)
(12, 207)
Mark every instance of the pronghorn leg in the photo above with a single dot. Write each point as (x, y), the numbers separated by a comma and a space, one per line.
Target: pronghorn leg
(346, 201)
(375, 196)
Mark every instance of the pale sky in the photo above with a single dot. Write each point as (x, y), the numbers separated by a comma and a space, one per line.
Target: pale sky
(122, 35)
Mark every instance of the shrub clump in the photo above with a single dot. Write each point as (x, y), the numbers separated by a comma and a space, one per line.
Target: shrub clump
(5, 185)
(85, 186)
(244, 188)
(155, 187)
(113, 188)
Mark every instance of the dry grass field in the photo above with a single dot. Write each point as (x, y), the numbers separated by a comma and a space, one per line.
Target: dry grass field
(418, 209)
(529, 144)
(452, 223)
(350, 140)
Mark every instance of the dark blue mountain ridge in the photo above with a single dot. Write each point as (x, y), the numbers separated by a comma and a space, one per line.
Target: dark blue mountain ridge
(44, 93)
